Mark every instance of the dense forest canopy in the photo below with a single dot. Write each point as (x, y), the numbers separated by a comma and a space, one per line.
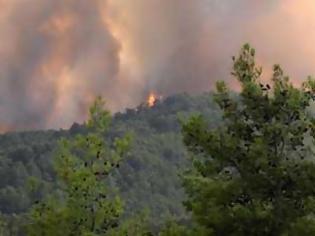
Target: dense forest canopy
(148, 176)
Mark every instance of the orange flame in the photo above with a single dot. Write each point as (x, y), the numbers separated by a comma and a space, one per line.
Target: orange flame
(151, 100)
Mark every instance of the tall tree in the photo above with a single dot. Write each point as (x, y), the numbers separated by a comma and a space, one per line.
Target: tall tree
(82, 164)
(255, 174)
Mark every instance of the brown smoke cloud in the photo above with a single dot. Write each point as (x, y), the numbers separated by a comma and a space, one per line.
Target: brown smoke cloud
(55, 56)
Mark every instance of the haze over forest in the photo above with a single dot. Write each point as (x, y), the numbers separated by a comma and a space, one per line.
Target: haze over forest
(55, 56)
(157, 117)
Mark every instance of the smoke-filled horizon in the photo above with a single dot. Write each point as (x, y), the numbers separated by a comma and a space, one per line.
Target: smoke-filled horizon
(56, 56)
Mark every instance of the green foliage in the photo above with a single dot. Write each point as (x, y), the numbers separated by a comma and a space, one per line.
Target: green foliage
(135, 225)
(147, 178)
(82, 164)
(173, 229)
(11, 225)
(99, 118)
(254, 175)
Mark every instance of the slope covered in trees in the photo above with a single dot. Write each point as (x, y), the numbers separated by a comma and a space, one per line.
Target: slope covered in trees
(250, 173)
(148, 175)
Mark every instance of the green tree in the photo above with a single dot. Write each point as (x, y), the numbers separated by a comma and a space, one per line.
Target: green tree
(254, 175)
(85, 206)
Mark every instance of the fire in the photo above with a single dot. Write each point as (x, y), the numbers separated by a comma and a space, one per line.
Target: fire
(151, 100)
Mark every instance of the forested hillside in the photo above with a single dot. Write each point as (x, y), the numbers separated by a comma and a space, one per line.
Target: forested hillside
(147, 178)
(215, 164)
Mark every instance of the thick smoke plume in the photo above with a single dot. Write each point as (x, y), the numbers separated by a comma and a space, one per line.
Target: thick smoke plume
(56, 56)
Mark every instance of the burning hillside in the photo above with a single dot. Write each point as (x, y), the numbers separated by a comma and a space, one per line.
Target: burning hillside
(151, 100)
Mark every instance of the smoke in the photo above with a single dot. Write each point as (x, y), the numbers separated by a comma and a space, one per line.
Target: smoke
(56, 56)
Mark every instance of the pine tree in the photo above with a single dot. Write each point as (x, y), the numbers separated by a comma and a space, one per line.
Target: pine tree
(255, 174)
(86, 206)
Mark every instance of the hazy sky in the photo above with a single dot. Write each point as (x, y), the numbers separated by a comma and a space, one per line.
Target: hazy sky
(56, 55)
